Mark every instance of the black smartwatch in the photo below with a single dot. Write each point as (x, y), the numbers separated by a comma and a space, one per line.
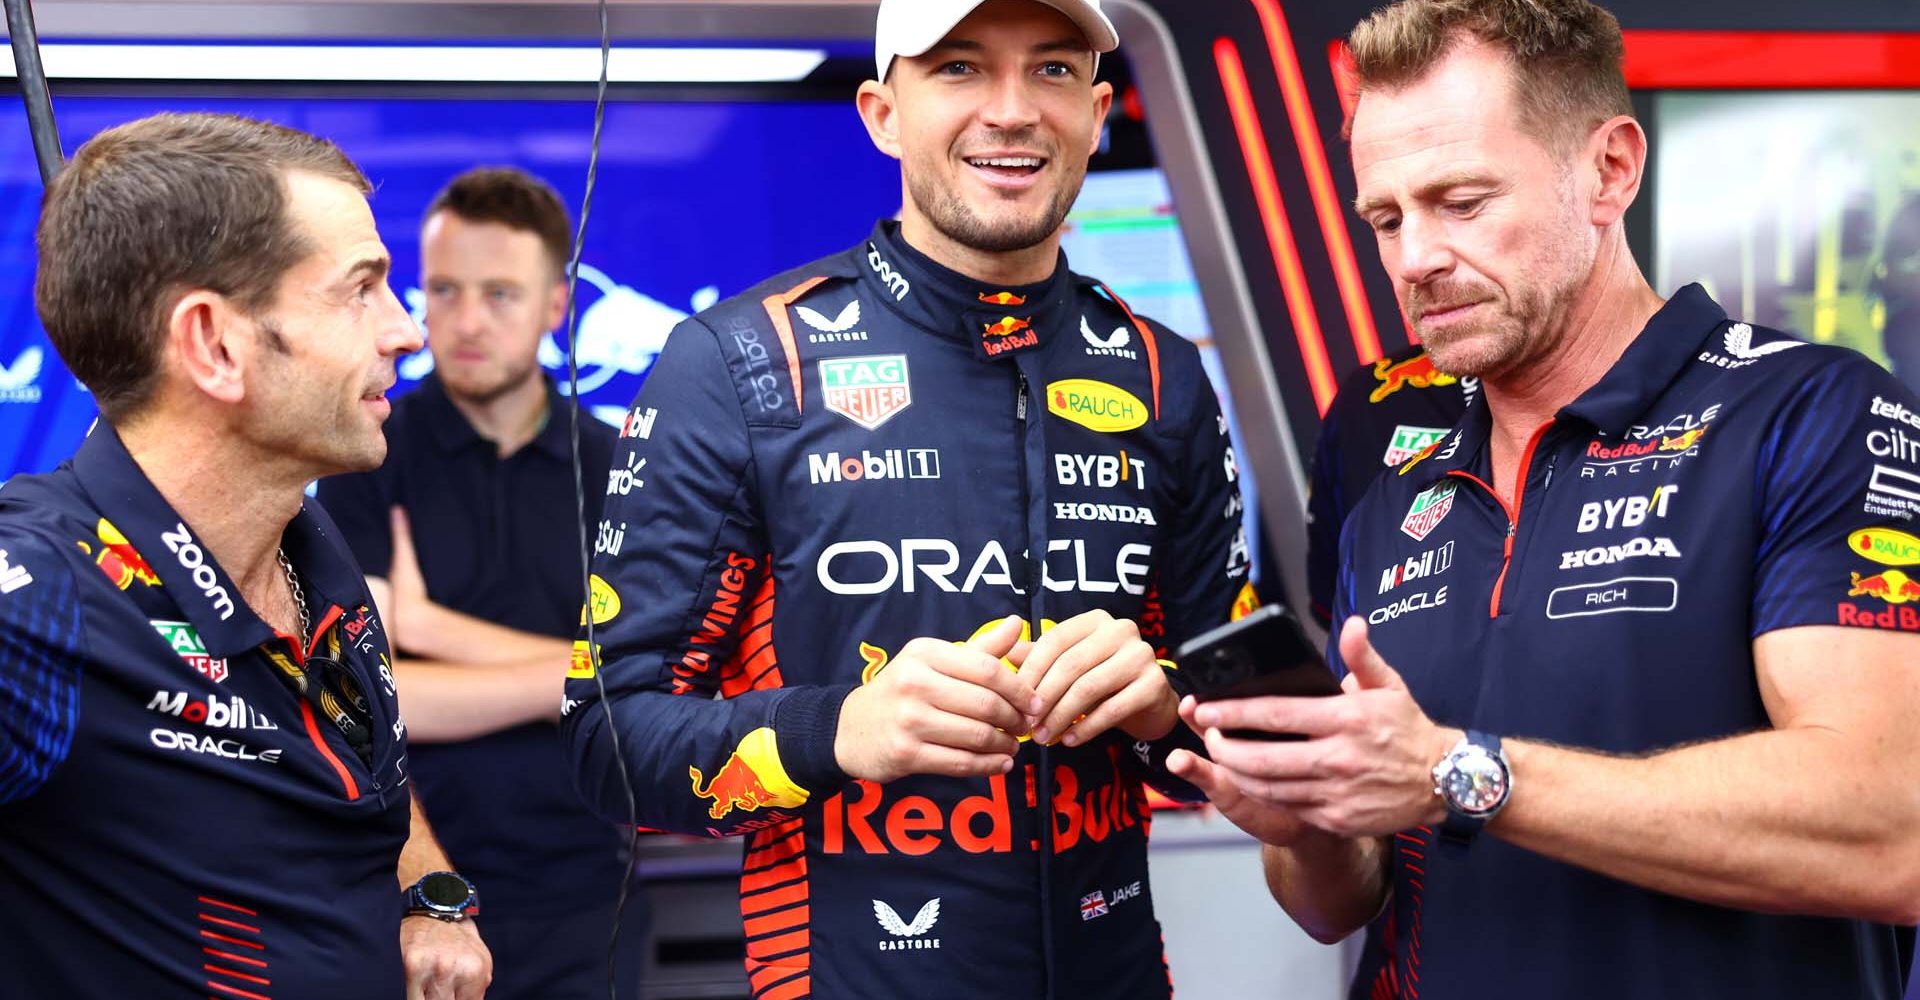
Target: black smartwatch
(443, 896)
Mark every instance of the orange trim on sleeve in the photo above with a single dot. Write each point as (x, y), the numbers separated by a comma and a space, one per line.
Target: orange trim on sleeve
(1147, 341)
(776, 306)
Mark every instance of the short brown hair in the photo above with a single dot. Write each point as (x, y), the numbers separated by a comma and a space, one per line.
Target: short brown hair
(1565, 56)
(515, 199)
(153, 209)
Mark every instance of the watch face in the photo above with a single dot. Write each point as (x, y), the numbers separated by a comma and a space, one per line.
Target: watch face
(1476, 783)
(443, 890)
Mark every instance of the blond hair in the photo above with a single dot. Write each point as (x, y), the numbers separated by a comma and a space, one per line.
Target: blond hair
(1565, 56)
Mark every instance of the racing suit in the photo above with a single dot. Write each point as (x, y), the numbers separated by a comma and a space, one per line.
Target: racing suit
(866, 450)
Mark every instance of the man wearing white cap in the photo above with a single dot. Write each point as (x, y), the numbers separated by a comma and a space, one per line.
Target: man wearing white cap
(870, 483)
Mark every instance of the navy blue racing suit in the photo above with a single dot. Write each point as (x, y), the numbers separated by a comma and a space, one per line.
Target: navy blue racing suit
(867, 450)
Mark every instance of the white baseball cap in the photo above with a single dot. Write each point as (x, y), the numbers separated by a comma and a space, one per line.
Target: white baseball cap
(911, 27)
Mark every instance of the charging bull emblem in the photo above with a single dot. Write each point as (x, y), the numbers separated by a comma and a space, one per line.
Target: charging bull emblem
(1417, 371)
(118, 560)
(750, 780)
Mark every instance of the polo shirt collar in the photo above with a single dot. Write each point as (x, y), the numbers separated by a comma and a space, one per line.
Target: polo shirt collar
(158, 540)
(1653, 361)
(452, 433)
(1657, 356)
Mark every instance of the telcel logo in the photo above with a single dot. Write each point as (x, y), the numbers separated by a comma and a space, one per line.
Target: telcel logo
(1096, 406)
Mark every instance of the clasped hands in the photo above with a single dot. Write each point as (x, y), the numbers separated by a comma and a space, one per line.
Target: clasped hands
(955, 709)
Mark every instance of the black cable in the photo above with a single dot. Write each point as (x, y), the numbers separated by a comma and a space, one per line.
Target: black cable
(580, 504)
(33, 89)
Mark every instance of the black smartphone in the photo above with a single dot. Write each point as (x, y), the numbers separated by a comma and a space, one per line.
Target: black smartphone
(1265, 653)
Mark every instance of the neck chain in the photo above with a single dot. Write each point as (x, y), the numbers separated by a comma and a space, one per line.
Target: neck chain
(299, 596)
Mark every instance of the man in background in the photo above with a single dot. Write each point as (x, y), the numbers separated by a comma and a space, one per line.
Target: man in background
(470, 536)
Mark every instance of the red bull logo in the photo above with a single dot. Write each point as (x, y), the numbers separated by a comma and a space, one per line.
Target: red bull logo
(1003, 299)
(1684, 441)
(1892, 586)
(1007, 326)
(1417, 371)
(118, 560)
(751, 779)
(1008, 333)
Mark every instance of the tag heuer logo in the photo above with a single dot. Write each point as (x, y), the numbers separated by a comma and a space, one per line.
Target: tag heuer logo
(186, 642)
(867, 391)
(1410, 441)
(1428, 510)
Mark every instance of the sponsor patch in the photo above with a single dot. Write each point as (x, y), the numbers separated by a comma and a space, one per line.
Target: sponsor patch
(1885, 546)
(1627, 593)
(867, 390)
(1432, 562)
(1741, 351)
(1607, 555)
(1429, 508)
(12, 577)
(750, 780)
(908, 935)
(602, 601)
(1410, 441)
(1113, 345)
(1095, 405)
(186, 643)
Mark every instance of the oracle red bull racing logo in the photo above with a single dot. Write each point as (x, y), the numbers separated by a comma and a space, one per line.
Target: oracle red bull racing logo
(751, 779)
(1417, 371)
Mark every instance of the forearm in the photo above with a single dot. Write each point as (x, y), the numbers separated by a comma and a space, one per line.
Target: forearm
(448, 702)
(1791, 821)
(1331, 886)
(422, 853)
(430, 631)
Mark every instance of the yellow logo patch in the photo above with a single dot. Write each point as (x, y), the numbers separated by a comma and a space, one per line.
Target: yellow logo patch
(1095, 405)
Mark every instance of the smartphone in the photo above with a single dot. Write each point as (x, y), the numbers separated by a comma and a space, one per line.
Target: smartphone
(1265, 653)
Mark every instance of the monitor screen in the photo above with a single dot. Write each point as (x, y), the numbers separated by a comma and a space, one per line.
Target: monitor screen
(1798, 210)
(694, 202)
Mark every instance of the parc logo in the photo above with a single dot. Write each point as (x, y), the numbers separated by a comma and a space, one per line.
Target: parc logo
(866, 390)
(1095, 405)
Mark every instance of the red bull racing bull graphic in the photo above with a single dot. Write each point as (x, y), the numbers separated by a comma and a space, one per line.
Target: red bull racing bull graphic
(1008, 334)
(1417, 371)
(118, 560)
(1892, 586)
(750, 780)
(1683, 441)
(866, 390)
(1003, 299)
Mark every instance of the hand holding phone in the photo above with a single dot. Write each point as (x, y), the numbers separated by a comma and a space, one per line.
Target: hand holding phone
(1266, 653)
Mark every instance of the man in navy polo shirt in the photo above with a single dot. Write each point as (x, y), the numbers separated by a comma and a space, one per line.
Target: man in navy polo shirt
(472, 542)
(1632, 709)
(204, 787)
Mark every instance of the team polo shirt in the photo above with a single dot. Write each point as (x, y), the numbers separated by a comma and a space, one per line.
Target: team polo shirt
(1720, 482)
(498, 539)
(175, 821)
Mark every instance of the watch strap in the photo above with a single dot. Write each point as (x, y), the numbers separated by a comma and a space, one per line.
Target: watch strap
(1460, 828)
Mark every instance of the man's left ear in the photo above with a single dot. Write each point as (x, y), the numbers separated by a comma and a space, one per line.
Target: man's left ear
(557, 305)
(1618, 154)
(1102, 103)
